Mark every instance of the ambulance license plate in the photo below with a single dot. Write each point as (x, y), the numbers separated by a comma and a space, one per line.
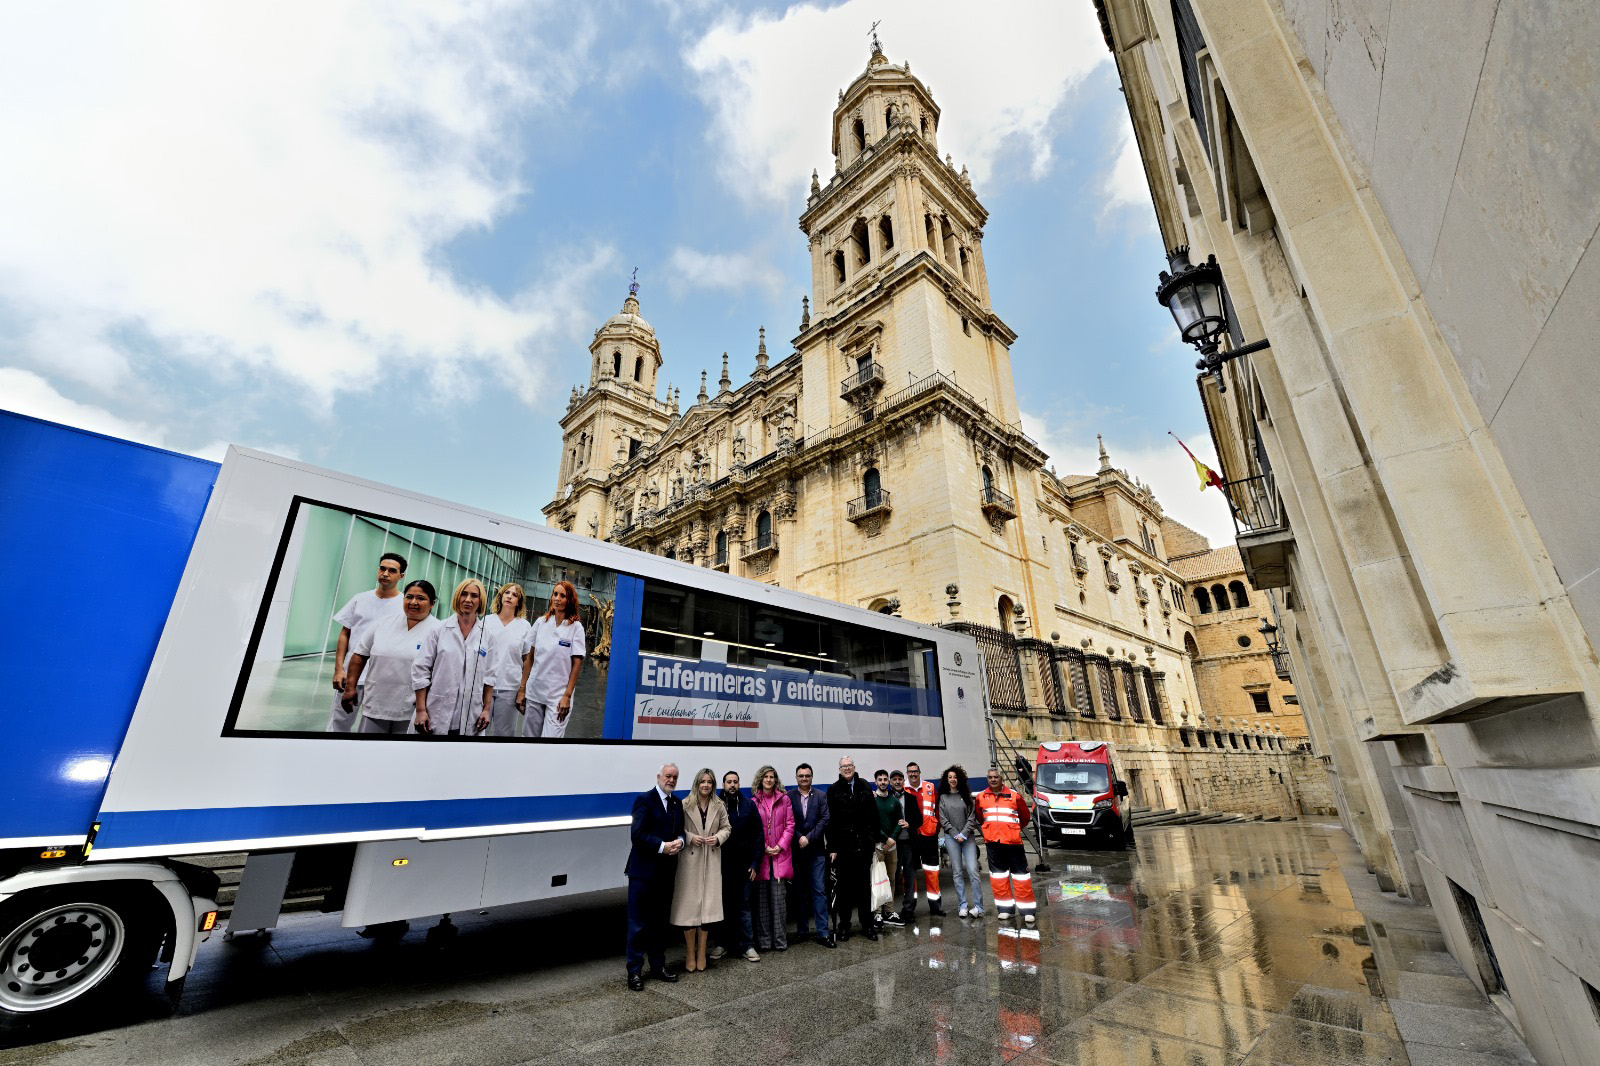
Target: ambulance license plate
(1076, 832)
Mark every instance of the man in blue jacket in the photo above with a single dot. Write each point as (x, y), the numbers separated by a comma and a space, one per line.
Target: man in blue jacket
(657, 835)
(810, 856)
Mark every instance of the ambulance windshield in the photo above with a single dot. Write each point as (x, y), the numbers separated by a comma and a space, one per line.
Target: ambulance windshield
(1084, 777)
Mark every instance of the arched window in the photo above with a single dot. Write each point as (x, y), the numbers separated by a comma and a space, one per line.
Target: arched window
(862, 243)
(988, 479)
(638, 368)
(838, 268)
(888, 117)
(886, 232)
(1219, 597)
(932, 233)
(871, 487)
(616, 364)
(966, 275)
(764, 530)
(1202, 599)
(1005, 609)
(924, 125)
(722, 548)
(1240, 597)
(859, 130)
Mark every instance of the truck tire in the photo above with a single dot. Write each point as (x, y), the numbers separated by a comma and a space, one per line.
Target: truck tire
(68, 948)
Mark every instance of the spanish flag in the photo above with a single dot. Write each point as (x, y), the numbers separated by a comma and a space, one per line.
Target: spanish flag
(1208, 476)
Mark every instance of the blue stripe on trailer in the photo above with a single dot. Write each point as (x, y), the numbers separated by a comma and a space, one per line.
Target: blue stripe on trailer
(100, 529)
(623, 681)
(137, 829)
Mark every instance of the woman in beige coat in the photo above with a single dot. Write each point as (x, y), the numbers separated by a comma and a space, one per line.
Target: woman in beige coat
(697, 896)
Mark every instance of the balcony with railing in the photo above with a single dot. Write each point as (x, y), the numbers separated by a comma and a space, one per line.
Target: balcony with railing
(1079, 563)
(759, 547)
(1265, 539)
(864, 507)
(1280, 663)
(868, 379)
(997, 504)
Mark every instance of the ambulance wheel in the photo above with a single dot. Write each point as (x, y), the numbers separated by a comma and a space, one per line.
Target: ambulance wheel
(73, 947)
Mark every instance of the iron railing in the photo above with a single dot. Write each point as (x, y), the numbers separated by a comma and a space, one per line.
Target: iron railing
(871, 374)
(864, 505)
(1002, 666)
(766, 542)
(995, 498)
(1255, 504)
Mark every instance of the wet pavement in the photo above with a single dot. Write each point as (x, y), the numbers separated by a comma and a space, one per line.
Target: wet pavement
(1221, 944)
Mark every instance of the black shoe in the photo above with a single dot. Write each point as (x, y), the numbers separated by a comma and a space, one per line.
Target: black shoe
(636, 982)
(843, 935)
(664, 975)
(872, 934)
(825, 941)
(936, 912)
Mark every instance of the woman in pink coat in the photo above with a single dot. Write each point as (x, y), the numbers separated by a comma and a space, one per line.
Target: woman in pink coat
(776, 865)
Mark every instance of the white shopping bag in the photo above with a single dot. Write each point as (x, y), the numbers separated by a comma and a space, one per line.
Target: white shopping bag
(881, 893)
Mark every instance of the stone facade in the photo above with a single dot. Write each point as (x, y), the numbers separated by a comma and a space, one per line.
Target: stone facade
(1410, 456)
(1238, 677)
(880, 462)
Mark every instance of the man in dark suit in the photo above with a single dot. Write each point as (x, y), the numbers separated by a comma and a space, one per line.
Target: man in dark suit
(652, 866)
(810, 856)
(853, 834)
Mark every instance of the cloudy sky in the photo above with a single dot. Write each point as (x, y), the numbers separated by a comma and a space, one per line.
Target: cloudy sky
(378, 237)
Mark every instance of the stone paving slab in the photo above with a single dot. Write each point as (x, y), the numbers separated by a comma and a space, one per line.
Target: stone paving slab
(1233, 945)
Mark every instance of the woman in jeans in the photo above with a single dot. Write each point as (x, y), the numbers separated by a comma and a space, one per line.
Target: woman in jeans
(958, 821)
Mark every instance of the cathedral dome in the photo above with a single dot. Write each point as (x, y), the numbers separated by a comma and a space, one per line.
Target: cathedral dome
(628, 319)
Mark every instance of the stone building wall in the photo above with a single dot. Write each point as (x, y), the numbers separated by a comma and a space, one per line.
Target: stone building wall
(1399, 197)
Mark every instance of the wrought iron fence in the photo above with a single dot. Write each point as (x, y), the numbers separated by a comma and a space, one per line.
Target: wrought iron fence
(1001, 662)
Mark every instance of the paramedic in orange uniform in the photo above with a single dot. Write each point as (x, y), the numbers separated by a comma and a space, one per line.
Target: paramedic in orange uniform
(1002, 813)
(923, 847)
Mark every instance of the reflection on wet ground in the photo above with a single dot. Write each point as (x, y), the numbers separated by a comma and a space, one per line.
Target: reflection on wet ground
(1219, 944)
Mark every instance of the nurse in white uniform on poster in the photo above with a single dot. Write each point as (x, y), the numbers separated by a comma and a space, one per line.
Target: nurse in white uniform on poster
(552, 658)
(378, 682)
(452, 676)
(508, 628)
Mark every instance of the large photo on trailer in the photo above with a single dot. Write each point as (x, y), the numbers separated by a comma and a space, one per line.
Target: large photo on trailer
(376, 629)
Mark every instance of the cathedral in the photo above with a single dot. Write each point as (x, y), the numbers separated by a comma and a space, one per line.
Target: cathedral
(881, 462)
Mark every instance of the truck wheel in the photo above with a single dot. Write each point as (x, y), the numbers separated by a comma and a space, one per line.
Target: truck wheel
(71, 946)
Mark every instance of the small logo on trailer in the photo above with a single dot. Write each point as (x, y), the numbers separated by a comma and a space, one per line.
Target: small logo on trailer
(958, 658)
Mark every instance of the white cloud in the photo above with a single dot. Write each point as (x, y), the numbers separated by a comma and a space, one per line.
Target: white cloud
(1164, 467)
(266, 190)
(688, 268)
(1123, 187)
(27, 393)
(772, 82)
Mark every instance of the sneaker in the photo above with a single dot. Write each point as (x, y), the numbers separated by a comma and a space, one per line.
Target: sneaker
(1027, 919)
(962, 913)
(751, 955)
(977, 912)
(893, 919)
(717, 951)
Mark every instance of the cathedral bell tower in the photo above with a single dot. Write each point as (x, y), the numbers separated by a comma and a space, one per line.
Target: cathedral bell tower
(609, 421)
(896, 248)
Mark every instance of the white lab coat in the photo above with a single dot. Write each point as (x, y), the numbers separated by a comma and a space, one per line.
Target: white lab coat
(553, 645)
(454, 669)
(390, 650)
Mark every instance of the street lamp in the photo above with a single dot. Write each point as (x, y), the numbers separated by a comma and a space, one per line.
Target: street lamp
(1280, 655)
(1194, 295)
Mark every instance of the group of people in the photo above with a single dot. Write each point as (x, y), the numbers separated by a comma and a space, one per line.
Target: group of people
(400, 669)
(724, 866)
